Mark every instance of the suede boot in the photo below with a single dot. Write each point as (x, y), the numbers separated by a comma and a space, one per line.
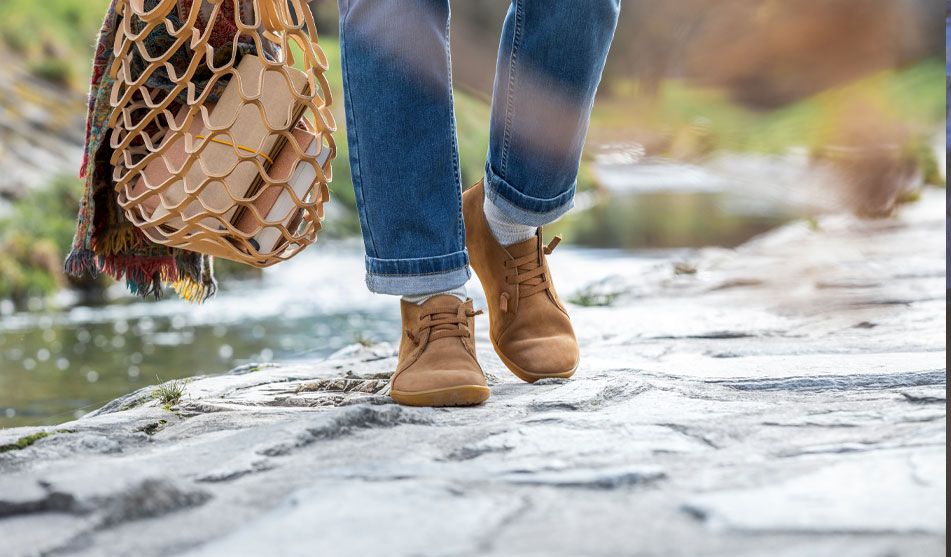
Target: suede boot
(437, 359)
(529, 327)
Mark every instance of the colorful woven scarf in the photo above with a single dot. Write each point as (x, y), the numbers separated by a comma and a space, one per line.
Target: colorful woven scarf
(105, 241)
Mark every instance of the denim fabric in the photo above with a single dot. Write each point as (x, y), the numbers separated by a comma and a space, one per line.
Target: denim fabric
(401, 129)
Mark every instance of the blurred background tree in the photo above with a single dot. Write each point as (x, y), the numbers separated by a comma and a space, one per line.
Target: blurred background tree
(855, 83)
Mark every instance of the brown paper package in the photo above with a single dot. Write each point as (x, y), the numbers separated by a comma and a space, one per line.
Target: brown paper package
(249, 131)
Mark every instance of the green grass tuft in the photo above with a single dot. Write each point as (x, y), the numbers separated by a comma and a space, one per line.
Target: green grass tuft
(592, 298)
(362, 340)
(170, 393)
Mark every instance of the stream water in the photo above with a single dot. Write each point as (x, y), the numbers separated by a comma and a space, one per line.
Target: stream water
(57, 364)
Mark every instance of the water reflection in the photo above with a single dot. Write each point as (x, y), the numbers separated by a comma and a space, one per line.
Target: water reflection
(667, 220)
(59, 364)
(655, 204)
(51, 374)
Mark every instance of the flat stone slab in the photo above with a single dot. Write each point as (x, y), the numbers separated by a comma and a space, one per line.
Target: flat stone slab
(784, 398)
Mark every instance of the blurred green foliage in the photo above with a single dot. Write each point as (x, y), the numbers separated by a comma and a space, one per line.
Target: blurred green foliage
(46, 213)
(911, 98)
(35, 237)
(55, 38)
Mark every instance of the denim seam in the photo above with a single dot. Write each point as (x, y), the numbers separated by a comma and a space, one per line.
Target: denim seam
(511, 86)
(356, 143)
(454, 138)
(416, 274)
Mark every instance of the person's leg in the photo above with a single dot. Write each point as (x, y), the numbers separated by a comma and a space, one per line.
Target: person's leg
(402, 140)
(405, 166)
(550, 61)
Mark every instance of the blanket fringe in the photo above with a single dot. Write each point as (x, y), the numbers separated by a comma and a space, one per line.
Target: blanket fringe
(211, 288)
(79, 262)
(189, 267)
(117, 240)
(194, 292)
(192, 282)
(188, 273)
(143, 277)
(208, 277)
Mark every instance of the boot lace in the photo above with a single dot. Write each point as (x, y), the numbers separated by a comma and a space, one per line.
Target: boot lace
(442, 322)
(526, 272)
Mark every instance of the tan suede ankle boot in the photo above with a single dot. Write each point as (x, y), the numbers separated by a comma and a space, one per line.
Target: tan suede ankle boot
(437, 360)
(529, 327)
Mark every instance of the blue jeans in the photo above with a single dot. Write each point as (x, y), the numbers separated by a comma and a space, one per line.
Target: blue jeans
(401, 127)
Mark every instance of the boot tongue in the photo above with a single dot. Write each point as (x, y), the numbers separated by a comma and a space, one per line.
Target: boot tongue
(443, 301)
(523, 248)
(531, 246)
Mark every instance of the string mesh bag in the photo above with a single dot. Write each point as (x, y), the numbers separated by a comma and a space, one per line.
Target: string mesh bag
(221, 131)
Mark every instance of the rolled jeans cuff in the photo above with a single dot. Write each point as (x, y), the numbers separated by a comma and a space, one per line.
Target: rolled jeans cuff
(422, 275)
(524, 209)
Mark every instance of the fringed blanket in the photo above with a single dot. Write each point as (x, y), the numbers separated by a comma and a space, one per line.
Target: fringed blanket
(105, 241)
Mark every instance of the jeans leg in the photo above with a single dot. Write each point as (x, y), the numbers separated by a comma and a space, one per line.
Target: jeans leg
(401, 134)
(551, 57)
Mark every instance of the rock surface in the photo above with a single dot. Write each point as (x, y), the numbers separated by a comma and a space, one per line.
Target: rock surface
(785, 398)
